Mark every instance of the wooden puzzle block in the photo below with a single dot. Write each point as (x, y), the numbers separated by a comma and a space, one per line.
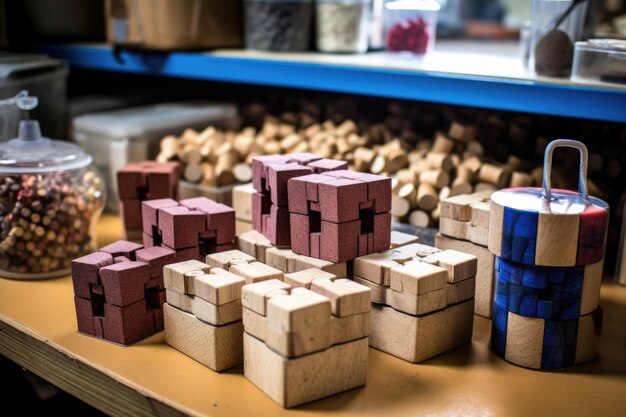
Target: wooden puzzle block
(417, 305)
(291, 382)
(256, 272)
(176, 276)
(124, 282)
(346, 329)
(454, 228)
(401, 239)
(485, 278)
(242, 201)
(299, 343)
(217, 287)
(217, 347)
(479, 235)
(180, 226)
(347, 298)
(254, 244)
(287, 261)
(127, 324)
(461, 291)
(379, 293)
(261, 206)
(85, 272)
(459, 265)
(279, 175)
(226, 259)
(460, 207)
(181, 301)
(216, 315)
(130, 213)
(300, 310)
(156, 257)
(150, 214)
(416, 339)
(305, 277)
(255, 297)
(415, 277)
(220, 219)
(524, 341)
(122, 248)
(496, 218)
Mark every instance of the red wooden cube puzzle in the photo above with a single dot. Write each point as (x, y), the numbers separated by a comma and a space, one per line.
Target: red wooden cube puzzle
(271, 175)
(339, 215)
(119, 291)
(139, 181)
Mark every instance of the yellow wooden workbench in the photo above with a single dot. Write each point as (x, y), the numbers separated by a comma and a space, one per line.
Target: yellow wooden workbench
(38, 331)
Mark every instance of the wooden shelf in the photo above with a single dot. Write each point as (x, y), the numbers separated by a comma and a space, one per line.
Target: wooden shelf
(38, 331)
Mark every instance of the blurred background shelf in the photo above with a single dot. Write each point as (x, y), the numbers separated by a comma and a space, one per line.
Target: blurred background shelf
(463, 73)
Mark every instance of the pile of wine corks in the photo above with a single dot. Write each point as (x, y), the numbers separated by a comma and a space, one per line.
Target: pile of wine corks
(451, 164)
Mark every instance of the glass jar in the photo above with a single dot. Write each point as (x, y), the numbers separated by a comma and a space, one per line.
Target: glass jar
(342, 25)
(278, 25)
(51, 197)
(410, 25)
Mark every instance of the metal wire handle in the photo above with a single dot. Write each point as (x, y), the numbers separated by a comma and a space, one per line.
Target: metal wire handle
(547, 166)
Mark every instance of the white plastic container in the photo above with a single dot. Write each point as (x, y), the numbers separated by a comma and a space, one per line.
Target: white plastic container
(411, 26)
(118, 137)
(600, 60)
(342, 25)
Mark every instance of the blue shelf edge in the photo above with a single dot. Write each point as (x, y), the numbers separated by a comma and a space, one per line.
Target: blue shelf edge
(484, 92)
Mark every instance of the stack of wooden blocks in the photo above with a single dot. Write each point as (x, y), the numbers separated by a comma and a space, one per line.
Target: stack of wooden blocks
(192, 228)
(203, 313)
(548, 273)
(119, 291)
(423, 299)
(270, 174)
(307, 342)
(464, 226)
(339, 215)
(140, 181)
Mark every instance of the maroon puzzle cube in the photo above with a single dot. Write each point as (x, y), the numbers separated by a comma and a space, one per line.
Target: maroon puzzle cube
(325, 164)
(220, 219)
(150, 214)
(180, 226)
(124, 282)
(85, 272)
(260, 167)
(339, 215)
(86, 310)
(122, 248)
(128, 324)
(276, 226)
(261, 205)
(156, 257)
(188, 254)
(130, 212)
(278, 175)
(148, 179)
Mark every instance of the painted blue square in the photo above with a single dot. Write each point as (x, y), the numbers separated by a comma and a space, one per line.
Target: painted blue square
(558, 357)
(544, 309)
(535, 277)
(528, 305)
(500, 318)
(565, 309)
(554, 333)
(556, 275)
(516, 292)
(498, 330)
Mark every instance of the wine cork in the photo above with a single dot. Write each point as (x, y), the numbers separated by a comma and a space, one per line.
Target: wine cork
(514, 163)
(435, 178)
(444, 193)
(312, 130)
(496, 175)
(461, 132)
(290, 141)
(189, 136)
(346, 128)
(442, 144)
(399, 206)
(285, 130)
(271, 148)
(169, 145)
(302, 147)
(427, 197)
(190, 154)
(355, 140)
(435, 215)
(242, 145)
(395, 185)
(474, 148)
(484, 186)
(416, 156)
(473, 164)
(207, 134)
(342, 145)
(224, 167)
(441, 161)
(378, 164)
(456, 160)
(409, 193)
(462, 184)
(242, 172)
(193, 172)
(269, 130)
(406, 176)
(521, 179)
(419, 218)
